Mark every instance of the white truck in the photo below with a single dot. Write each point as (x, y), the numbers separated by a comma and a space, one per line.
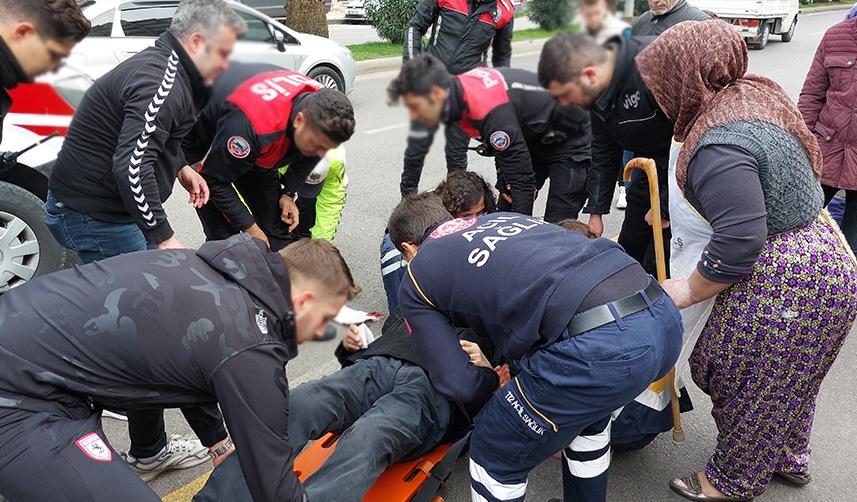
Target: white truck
(756, 20)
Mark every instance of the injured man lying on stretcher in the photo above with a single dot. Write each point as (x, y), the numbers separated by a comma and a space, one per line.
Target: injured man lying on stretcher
(383, 404)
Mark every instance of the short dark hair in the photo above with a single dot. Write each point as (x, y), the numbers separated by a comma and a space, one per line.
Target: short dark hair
(576, 226)
(461, 190)
(565, 56)
(59, 20)
(330, 112)
(414, 216)
(418, 76)
(320, 261)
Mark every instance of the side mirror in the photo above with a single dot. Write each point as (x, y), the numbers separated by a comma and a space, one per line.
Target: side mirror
(277, 35)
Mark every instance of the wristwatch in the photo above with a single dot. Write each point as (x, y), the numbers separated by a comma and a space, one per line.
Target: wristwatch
(291, 195)
(222, 450)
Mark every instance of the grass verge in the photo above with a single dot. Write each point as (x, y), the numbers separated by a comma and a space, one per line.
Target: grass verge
(824, 4)
(376, 50)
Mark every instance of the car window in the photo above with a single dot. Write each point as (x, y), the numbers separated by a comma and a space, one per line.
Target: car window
(145, 20)
(102, 25)
(257, 29)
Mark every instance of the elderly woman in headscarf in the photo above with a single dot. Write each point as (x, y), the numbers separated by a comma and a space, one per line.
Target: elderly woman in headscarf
(785, 280)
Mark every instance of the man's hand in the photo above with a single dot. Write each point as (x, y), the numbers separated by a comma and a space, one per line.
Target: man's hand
(475, 354)
(171, 243)
(503, 373)
(665, 224)
(596, 225)
(290, 215)
(257, 232)
(352, 341)
(507, 195)
(195, 186)
(219, 460)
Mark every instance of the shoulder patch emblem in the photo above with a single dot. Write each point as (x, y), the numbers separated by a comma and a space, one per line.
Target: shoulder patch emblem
(94, 447)
(262, 321)
(451, 227)
(500, 140)
(238, 147)
(496, 14)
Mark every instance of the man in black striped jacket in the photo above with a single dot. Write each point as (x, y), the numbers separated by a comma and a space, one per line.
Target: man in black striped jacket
(118, 165)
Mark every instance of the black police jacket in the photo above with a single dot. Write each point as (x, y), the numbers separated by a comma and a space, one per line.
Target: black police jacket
(509, 111)
(248, 125)
(463, 32)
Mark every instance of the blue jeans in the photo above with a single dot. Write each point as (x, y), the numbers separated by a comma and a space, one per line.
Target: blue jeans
(563, 398)
(90, 238)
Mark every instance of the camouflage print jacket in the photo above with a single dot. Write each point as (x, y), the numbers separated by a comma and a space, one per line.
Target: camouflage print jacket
(171, 328)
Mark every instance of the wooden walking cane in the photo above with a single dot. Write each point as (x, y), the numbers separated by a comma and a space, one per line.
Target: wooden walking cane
(648, 167)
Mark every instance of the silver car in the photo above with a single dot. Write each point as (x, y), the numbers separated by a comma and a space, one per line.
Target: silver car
(122, 28)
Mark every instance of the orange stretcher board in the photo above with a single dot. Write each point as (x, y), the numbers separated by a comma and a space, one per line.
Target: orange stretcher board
(399, 483)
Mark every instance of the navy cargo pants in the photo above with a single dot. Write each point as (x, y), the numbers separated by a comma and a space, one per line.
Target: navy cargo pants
(563, 399)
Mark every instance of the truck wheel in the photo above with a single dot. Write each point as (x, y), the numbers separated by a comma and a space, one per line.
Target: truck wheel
(27, 248)
(787, 36)
(763, 40)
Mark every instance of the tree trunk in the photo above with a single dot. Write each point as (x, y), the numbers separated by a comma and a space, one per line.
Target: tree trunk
(307, 16)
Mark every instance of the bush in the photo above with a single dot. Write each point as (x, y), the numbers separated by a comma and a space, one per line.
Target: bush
(307, 16)
(390, 17)
(551, 14)
(640, 6)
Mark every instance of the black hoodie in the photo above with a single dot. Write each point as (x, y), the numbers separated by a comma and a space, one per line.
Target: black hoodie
(11, 74)
(156, 329)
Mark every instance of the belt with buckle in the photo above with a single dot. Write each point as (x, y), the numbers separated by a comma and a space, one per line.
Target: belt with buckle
(601, 315)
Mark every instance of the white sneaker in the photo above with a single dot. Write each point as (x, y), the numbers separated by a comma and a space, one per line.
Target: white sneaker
(180, 453)
(114, 416)
(622, 203)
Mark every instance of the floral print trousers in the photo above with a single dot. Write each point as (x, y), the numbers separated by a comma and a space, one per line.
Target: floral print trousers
(768, 344)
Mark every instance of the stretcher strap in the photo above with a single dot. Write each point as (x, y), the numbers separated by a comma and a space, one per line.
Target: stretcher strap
(442, 470)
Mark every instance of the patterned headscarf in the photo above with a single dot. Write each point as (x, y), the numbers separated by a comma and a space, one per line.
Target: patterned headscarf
(697, 72)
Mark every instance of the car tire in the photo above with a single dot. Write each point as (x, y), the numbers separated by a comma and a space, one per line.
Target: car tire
(327, 77)
(23, 214)
(789, 35)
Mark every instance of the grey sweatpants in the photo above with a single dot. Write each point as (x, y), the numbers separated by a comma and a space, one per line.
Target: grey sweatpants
(387, 410)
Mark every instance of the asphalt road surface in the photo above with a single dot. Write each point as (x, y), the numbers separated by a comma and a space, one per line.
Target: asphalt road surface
(374, 165)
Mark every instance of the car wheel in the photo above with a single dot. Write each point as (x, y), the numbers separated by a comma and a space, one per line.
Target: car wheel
(328, 77)
(789, 35)
(27, 248)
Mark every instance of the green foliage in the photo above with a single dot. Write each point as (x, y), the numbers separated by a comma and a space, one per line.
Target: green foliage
(390, 17)
(551, 14)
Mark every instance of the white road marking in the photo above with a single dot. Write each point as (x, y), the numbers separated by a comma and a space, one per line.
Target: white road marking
(387, 128)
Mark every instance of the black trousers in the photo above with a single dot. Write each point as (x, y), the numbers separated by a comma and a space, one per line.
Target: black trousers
(148, 433)
(261, 192)
(568, 188)
(636, 236)
(63, 455)
(420, 139)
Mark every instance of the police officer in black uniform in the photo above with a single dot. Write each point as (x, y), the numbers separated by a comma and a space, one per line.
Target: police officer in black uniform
(261, 117)
(530, 135)
(462, 33)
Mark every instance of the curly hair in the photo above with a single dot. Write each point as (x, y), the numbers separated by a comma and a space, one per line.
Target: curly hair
(330, 112)
(461, 190)
(59, 20)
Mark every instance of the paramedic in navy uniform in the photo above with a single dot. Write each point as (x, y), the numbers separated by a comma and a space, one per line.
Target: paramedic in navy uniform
(584, 326)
